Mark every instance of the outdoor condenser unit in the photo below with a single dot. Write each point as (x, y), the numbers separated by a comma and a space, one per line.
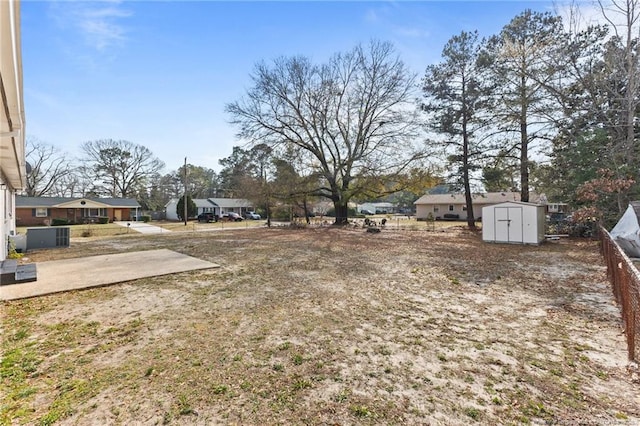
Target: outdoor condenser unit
(49, 237)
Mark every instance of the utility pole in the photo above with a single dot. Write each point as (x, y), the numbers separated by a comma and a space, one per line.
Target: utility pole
(185, 192)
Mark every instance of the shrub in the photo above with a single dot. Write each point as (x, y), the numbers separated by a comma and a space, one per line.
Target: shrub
(280, 213)
(103, 220)
(351, 212)
(192, 210)
(145, 219)
(59, 222)
(13, 252)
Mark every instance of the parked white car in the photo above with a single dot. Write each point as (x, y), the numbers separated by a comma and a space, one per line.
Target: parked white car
(252, 215)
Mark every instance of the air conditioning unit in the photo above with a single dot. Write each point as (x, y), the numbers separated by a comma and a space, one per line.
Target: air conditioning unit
(48, 237)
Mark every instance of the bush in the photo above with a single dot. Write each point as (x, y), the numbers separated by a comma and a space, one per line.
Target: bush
(59, 222)
(351, 212)
(280, 213)
(145, 219)
(103, 220)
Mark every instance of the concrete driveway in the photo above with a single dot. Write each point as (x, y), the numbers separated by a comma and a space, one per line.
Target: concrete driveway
(143, 228)
(85, 272)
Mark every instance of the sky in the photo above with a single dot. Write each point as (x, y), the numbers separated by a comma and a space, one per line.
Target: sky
(159, 73)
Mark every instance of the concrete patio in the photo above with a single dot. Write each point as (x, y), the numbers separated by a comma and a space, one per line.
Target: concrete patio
(86, 272)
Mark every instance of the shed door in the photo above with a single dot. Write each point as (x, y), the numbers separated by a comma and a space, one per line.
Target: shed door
(508, 224)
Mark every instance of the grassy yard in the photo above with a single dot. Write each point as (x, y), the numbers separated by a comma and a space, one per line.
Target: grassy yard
(326, 326)
(111, 229)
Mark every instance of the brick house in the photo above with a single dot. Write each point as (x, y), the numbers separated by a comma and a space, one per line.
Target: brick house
(34, 211)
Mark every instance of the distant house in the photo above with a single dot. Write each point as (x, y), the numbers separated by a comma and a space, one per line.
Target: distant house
(455, 204)
(217, 206)
(32, 211)
(378, 208)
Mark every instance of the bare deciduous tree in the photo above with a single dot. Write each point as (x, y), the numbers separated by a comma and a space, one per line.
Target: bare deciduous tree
(121, 166)
(350, 118)
(623, 17)
(49, 166)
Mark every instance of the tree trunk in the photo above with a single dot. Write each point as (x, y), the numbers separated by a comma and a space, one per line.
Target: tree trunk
(524, 143)
(306, 210)
(268, 212)
(471, 221)
(341, 209)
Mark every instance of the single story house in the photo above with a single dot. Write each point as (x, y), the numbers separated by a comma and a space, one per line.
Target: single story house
(217, 206)
(32, 211)
(12, 121)
(455, 204)
(378, 208)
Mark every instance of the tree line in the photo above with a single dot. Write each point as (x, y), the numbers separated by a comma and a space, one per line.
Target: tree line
(546, 105)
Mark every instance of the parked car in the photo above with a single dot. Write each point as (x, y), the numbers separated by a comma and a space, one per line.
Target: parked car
(365, 211)
(252, 216)
(207, 217)
(231, 217)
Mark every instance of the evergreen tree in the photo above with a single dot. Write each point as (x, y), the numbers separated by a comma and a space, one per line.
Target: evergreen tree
(457, 95)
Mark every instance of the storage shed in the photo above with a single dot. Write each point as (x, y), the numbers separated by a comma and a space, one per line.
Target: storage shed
(513, 222)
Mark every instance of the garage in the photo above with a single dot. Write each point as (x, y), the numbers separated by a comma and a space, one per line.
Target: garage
(513, 222)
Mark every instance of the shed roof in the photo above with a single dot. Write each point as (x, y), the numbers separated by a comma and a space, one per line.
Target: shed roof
(520, 203)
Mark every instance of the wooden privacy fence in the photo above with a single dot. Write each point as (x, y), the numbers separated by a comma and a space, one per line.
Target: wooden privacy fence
(625, 280)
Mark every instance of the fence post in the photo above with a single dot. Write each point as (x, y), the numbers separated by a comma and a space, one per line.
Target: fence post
(631, 336)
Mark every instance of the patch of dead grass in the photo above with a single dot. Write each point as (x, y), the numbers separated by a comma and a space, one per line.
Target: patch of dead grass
(325, 326)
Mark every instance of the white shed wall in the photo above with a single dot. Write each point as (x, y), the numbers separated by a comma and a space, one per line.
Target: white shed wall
(513, 222)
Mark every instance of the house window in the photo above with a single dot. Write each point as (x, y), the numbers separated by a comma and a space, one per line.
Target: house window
(42, 212)
(450, 207)
(435, 209)
(95, 212)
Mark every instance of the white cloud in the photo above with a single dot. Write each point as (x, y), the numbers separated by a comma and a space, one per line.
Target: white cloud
(98, 23)
(371, 16)
(411, 32)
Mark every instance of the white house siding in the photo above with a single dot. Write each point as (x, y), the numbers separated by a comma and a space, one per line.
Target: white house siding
(217, 206)
(438, 204)
(513, 222)
(202, 206)
(439, 210)
(7, 218)
(12, 122)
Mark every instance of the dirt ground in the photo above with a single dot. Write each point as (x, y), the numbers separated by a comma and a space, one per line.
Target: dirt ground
(326, 327)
